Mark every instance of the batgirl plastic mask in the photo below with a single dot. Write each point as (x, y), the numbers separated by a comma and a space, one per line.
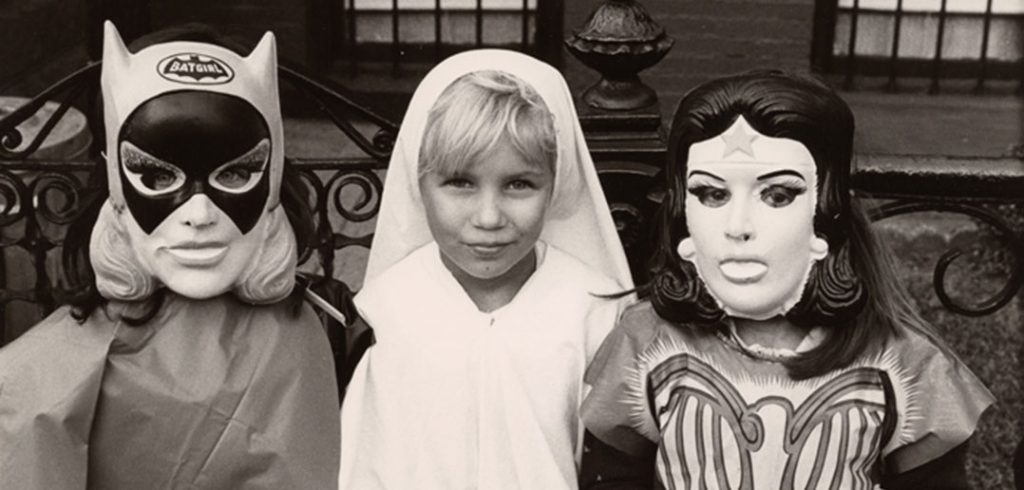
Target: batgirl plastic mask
(182, 143)
(750, 203)
(194, 154)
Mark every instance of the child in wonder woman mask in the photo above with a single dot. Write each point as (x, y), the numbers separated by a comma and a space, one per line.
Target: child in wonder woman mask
(774, 348)
(188, 362)
(493, 241)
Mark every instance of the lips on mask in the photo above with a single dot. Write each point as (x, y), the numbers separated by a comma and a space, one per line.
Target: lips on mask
(750, 212)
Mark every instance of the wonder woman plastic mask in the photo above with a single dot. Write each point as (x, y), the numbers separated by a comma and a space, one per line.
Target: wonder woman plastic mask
(194, 153)
(750, 211)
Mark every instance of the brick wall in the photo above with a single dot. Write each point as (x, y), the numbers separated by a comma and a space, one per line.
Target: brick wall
(246, 20)
(43, 40)
(33, 35)
(713, 38)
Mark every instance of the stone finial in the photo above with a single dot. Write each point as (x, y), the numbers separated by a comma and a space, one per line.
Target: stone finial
(619, 40)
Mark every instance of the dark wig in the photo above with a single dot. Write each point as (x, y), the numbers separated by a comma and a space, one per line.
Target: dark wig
(840, 286)
(78, 271)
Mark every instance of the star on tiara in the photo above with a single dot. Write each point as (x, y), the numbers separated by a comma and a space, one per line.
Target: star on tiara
(739, 140)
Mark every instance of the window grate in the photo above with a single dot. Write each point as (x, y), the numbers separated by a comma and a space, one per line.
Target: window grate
(358, 34)
(930, 39)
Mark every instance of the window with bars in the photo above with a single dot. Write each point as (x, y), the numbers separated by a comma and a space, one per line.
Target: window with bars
(936, 39)
(358, 33)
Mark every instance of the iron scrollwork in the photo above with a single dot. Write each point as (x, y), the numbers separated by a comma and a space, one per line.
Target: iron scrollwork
(342, 110)
(72, 87)
(632, 198)
(38, 198)
(1013, 241)
(56, 197)
(334, 206)
(333, 180)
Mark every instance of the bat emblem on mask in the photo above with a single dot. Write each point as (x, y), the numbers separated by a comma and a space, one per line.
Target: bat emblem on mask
(195, 69)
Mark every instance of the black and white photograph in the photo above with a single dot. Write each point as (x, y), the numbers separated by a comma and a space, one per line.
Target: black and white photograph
(512, 244)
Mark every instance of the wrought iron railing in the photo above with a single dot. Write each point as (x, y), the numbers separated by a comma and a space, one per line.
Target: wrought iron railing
(965, 186)
(40, 197)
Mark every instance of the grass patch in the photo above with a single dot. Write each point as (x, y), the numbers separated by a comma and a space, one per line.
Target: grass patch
(993, 345)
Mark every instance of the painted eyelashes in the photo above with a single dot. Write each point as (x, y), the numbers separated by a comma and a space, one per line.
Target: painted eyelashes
(153, 177)
(775, 194)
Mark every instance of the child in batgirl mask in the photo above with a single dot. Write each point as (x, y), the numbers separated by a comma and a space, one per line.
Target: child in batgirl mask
(190, 366)
(194, 159)
(774, 348)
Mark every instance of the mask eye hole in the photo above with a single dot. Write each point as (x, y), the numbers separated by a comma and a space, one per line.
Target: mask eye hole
(780, 196)
(709, 195)
(243, 173)
(149, 175)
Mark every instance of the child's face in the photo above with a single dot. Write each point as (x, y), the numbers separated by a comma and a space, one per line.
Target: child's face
(487, 217)
(749, 207)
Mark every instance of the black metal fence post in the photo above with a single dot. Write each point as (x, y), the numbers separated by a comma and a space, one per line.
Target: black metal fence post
(619, 40)
(621, 116)
(983, 57)
(891, 85)
(851, 51)
(937, 60)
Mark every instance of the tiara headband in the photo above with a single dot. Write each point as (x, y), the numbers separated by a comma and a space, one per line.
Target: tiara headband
(743, 144)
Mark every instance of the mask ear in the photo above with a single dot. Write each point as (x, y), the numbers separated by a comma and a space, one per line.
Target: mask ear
(262, 61)
(819, 248)
(115, 53)
(262, 64)
(686, 249)
(116, 64)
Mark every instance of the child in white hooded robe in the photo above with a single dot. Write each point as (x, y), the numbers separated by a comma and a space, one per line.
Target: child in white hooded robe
(493, 246)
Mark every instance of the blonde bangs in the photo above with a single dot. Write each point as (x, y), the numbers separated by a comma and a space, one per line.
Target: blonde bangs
(477, 111)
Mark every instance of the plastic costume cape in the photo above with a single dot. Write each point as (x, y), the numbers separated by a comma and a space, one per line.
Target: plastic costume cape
(209, 394)
(452, 397)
